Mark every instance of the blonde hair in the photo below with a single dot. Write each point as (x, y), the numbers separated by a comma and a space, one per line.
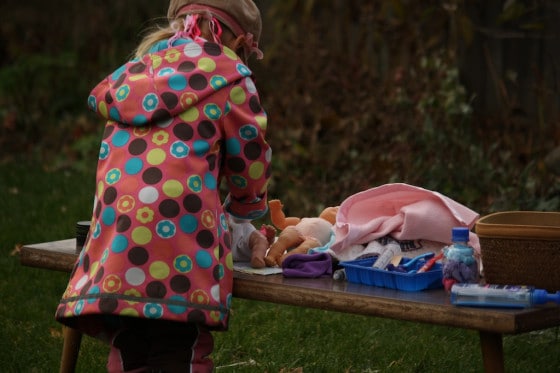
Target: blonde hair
(157, 34)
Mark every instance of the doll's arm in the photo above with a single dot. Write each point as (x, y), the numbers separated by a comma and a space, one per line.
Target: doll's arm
(277, 216)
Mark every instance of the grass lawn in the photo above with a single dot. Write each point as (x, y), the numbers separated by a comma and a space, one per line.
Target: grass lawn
(39, 206)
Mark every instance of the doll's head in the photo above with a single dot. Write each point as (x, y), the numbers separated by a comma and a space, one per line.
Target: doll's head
(242, 19)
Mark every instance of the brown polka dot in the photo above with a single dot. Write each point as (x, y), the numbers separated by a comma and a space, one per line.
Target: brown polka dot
(138, 255)
(180, 284)
(212, 49)
(108, 305)
(123, 223)
(255, 105)
(205, 239)
(170, 99)
(156, 289)
(183, 131)
(108, 97)
(110, 195)
(108, 131)
(198, 82)
(236, 164)
(196, 316)
(252, 150)
(192, 203)
(85, 263)
(186, 66)
(211, 159)
(137, 146)
(137, 68)
(119, 81)
(169, 208)
(206, 129)
(99, 275)
(98, 209)
(152, 175)
(161, 115)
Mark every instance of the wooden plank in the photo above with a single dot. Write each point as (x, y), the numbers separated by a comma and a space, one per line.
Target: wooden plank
(431, 306)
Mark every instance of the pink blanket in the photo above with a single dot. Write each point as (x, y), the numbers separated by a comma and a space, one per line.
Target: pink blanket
(402, 211)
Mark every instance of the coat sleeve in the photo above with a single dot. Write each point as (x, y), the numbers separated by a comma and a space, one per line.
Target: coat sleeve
(247, 156)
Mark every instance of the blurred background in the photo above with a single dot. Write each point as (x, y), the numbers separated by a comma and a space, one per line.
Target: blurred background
(457, 96)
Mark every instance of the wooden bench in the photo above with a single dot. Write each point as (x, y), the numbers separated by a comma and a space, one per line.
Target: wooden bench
(431, 307)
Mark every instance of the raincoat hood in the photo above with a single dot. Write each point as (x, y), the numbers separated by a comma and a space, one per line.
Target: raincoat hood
(162, 85)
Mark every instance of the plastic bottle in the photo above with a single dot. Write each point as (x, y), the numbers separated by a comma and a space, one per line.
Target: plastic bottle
(509, 296)
(460, 265)
(392, 249)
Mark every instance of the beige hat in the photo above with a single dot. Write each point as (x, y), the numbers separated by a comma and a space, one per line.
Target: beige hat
(240, 16)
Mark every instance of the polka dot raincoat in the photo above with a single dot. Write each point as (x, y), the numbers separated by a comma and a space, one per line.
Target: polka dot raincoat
(179, 120)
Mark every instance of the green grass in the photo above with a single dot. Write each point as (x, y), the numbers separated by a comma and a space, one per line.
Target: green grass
(37, 206)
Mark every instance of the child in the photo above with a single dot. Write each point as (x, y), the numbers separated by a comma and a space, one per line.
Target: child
(155, 274)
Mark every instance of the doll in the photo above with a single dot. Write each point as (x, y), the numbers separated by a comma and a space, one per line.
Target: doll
(249, 244)
(298, 235)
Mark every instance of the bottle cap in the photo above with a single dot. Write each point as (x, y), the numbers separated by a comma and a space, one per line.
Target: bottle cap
(460, 234)
(541, 296)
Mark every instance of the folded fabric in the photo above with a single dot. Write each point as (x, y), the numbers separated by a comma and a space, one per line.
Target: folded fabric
(307, 265)
(402, 211)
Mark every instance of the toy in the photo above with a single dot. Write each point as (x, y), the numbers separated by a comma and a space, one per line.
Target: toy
(249, 244)
(298, 235)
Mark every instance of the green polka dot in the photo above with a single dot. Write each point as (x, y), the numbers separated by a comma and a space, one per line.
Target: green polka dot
(237, 95)
(173, 188)
(141, 235)
(206, 64)
(159, 270)
(256, 170)
(156, 157)
(190, 115)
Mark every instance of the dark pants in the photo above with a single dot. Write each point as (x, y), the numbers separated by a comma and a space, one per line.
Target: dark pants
(161, 346)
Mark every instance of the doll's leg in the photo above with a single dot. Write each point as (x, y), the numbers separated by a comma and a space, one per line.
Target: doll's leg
(288, 238)
(308, 244)
(259, 245)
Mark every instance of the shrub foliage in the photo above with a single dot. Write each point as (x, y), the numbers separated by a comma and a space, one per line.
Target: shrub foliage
(359, 93)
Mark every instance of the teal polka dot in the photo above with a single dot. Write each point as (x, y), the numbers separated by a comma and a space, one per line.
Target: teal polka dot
(177, 82)
(188, 224)
(108, 216)
(114, 114)
(233, 146)
(176, 308)
(93, 291)
(218, 81)
(133, 166)
(119, 244)
(118, 72)
(139, 120)
(212, 111)
(203, 259)
(153, 310)
(121, 138)
(92, 103)
(201, 147)
(210, 181)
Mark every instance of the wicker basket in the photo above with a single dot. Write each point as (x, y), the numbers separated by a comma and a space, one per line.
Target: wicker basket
(521, 248)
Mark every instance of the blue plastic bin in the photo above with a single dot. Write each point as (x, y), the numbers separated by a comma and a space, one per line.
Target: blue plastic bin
(361, 272)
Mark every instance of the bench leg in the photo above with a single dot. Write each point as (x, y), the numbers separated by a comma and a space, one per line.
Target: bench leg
(492, 352)
(70, 350)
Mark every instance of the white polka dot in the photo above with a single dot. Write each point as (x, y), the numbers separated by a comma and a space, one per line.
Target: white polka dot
(250, 85)
(148, 195)
(80, 284)
(192, 50)
(215, 292)
(135, 276)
